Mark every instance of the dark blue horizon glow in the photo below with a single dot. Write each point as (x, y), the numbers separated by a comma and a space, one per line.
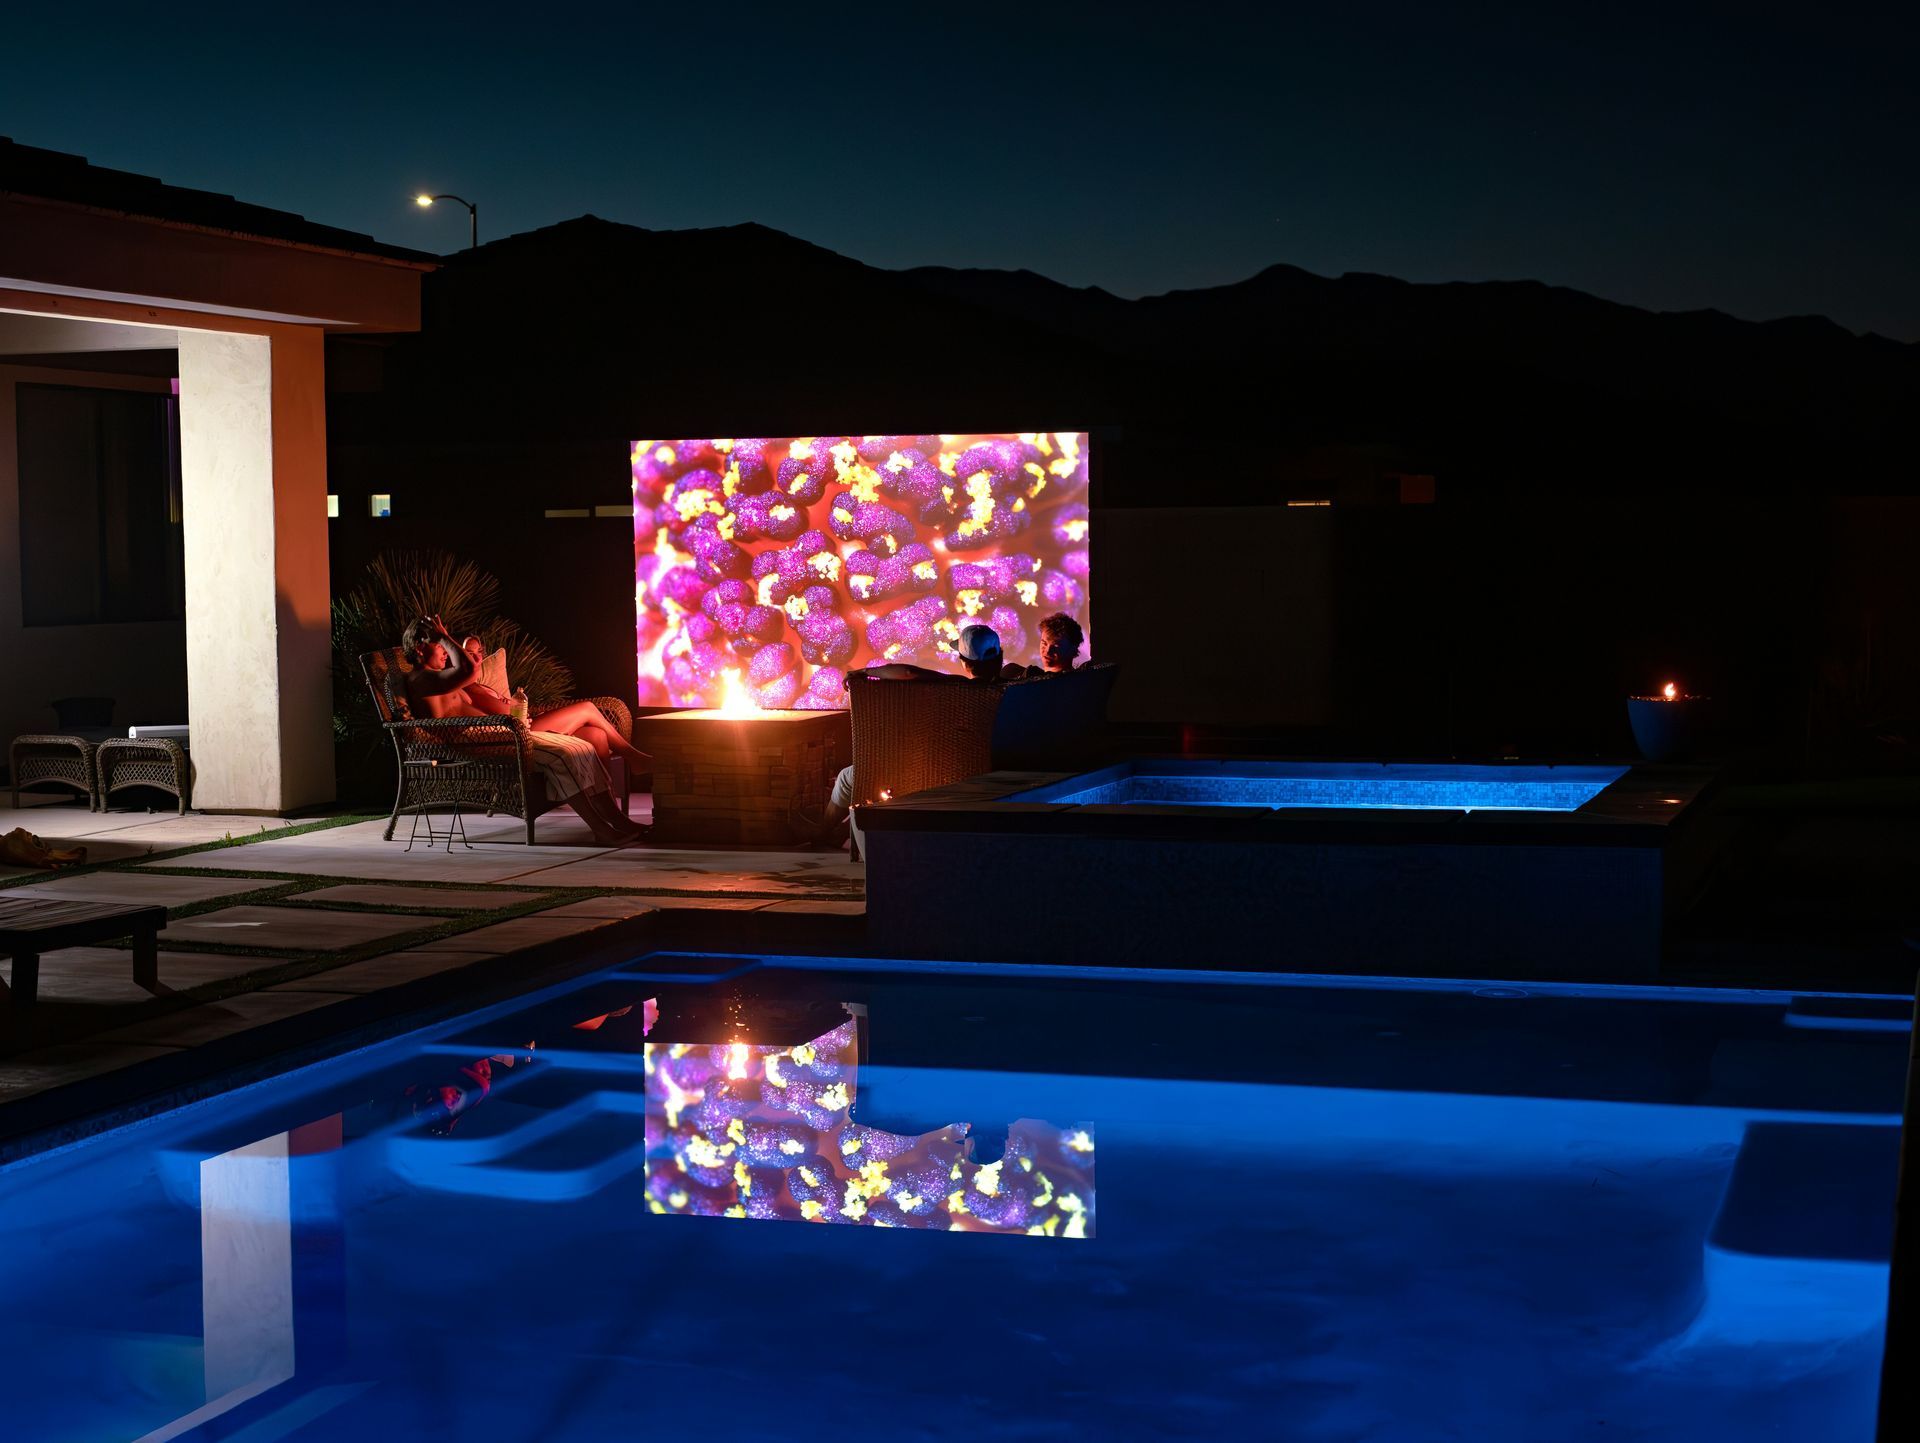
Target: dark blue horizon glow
(1672, 159)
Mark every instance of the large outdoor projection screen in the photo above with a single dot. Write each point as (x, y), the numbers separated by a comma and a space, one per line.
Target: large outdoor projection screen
(790, 561)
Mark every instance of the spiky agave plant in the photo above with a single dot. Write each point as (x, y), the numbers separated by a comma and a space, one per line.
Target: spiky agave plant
(548, 680)
(403, 585)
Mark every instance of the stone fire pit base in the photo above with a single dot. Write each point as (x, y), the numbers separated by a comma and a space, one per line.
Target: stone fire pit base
(742, 781)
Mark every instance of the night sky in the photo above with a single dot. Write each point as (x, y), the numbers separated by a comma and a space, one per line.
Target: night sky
(1669, 158)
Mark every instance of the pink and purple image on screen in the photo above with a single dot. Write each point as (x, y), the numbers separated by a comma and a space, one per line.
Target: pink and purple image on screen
(786, 562)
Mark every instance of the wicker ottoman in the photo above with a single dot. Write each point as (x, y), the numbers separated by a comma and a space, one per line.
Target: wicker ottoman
(150, 762)
(62, 761)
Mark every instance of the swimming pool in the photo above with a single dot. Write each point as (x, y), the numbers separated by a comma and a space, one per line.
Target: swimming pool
(1333, 784)
(1314, 1208)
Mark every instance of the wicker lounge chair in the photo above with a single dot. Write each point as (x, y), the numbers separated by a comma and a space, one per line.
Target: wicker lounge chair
(481, 762)
(912, 735)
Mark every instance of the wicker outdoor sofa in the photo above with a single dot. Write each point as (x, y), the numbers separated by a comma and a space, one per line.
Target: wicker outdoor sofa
(483, 762)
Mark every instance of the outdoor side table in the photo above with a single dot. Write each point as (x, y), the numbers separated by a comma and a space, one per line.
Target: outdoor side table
(147, 762)
(31, 926)
(436, 785)
(56, 759)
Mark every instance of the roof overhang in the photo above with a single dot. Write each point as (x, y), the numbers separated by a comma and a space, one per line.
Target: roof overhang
(94, 257)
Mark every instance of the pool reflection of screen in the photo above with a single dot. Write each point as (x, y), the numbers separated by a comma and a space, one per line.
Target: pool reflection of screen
(754, 1130)
(734, 1129)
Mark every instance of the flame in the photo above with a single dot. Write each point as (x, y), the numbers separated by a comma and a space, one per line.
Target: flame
(735, 699)
(737, 1062)
(886, 794)
(1670, 692)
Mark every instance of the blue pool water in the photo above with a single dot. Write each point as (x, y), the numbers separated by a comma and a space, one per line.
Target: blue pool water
(1311, 1209)
(1334, 784)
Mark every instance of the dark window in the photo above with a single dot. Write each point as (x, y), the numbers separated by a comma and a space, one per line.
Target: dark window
(99, 506)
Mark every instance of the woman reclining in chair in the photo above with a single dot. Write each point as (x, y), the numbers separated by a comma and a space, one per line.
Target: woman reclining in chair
(568, 741)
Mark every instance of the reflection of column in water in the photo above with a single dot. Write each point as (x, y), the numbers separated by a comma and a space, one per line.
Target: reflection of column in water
(319, 1244)
(246, 1270)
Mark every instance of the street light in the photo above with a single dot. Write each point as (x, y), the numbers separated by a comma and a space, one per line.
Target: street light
(473, 214)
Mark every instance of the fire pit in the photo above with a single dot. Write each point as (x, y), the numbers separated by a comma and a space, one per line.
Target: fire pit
(1668, 727)
(738, 775)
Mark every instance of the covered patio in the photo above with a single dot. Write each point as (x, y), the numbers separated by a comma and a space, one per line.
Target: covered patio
(111, 282)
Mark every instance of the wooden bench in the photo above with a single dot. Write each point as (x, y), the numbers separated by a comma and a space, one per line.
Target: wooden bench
(30, 926)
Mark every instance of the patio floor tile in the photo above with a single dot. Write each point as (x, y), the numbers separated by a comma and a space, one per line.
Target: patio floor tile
(105, 974)
(606, 908)
(378, 973)
(797, 873)
(377, 895)
(150, 889)
(517, 932)
(33, 1072)
(193, 1026)
(311, 929)
(390, 864)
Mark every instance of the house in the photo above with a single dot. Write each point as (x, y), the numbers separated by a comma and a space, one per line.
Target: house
(163, 462)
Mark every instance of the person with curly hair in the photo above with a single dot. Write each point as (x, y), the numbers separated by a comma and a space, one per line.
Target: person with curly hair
(1060, 641)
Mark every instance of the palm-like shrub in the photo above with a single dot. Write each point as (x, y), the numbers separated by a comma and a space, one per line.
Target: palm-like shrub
(396, 587)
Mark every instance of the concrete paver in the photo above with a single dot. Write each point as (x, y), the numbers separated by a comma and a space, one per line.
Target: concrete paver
(378, 973)
(72, 1062)
(105, 974)
(610, 908)
(517, 932)
(313, 929)
(191, 1026)
(373, 894)
(149, 889)
(710, 904)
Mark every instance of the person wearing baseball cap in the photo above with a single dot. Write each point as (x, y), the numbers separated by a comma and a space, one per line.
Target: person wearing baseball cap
(979, 653)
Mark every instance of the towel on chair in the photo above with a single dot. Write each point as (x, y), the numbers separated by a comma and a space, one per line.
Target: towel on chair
(20, 848)
(568, 765)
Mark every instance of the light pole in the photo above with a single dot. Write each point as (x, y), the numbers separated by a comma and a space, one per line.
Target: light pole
(473, 214)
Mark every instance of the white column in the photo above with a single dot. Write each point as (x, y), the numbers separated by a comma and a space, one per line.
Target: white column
(253, 497)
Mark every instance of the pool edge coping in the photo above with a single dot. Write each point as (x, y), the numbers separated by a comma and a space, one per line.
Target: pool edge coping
(1643, 807)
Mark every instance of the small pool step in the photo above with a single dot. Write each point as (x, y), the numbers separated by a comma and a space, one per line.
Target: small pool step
(1851, 1014)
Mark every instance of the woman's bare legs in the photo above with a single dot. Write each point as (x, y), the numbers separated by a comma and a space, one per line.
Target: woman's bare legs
(603, 818)
(576, 716)
(598, 739)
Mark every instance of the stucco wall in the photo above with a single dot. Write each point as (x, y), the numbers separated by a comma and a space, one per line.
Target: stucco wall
(143, 665)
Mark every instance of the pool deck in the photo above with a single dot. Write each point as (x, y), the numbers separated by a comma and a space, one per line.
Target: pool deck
(297, 931)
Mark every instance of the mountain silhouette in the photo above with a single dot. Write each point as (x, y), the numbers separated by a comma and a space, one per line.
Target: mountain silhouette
(594, 328)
